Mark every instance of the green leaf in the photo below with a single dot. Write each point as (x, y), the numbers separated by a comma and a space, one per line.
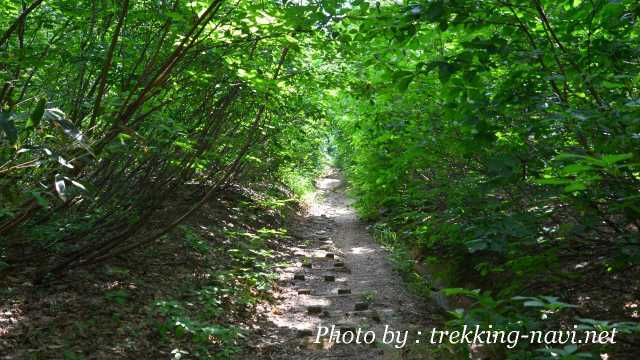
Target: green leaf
(612, 12)
(403, 84)
(576, 168)
(460, 291)
(39, 199)
(614, 158)
(6, 123)
(576, 186)
(37, 114)
(612, 85)
(534, 303)
(477, 245)
(77, 184)
(426, 67)
(568, 156)
(402, 79)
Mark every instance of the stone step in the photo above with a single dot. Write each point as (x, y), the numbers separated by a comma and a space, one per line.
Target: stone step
(315, 309)
(376, 315)
(324, 267)
(304, 332)
(347, 326)
(300, 277)
(328, 269)
(343, 293)
(305, 291)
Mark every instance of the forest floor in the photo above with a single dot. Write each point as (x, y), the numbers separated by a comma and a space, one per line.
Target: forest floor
(192, 295)
(222, 286)
(340, 277)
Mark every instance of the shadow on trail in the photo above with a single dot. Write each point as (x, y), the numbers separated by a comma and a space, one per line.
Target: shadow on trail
(338, 277)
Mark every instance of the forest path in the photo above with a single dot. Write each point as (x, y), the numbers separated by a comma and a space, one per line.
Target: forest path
(340, 277)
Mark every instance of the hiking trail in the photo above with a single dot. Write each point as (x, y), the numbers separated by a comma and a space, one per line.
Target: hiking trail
(340, 276)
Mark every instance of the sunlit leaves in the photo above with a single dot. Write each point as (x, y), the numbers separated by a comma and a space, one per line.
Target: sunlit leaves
(510, 128)
(580, 172)
(550, 303)
(58, 119)
(183, 101)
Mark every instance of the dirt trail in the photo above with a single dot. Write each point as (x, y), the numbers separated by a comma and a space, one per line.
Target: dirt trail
(340, 277)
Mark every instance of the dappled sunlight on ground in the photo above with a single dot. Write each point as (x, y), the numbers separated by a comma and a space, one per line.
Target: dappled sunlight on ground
(337, 276)
(328, 183)
(359, 250)
(10, 317)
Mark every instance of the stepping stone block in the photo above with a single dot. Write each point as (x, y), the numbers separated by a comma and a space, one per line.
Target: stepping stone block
(361, 306)
(376, 317)
(314, 309)
(298, 277)
(330, 255)
(330, 278)
(346, 327)
(344, 291)
(304, 292)
(325, 247)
